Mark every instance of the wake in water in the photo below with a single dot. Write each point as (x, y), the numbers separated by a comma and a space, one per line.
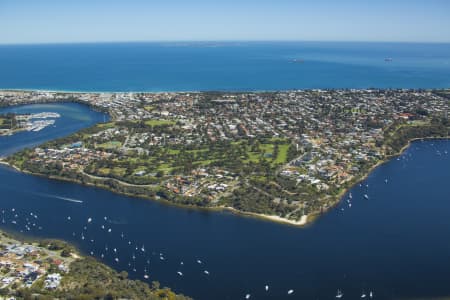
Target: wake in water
(59, 197)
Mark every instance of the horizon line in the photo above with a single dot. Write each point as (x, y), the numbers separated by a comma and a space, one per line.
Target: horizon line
(218, 41)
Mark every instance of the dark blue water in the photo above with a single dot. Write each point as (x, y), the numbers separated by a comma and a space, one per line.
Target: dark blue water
(73, 118)
(223, 66)
(396, 243)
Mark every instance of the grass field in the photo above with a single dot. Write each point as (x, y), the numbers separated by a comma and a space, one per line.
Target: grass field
(110, 145)
(153, 123)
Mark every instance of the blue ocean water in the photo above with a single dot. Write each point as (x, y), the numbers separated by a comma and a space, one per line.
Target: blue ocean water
(224, 66)
(396, 243)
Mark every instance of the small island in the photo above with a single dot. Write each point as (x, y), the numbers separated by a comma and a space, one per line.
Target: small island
(285, 156)
(52, 269)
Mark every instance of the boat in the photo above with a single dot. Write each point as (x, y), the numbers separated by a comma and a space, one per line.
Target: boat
(339, 294)
(199, 261)
(179, 273)
(388, 59)
(371, 295)
(247, 296)
(206, 272)
(266, 287)
(290, 292)
(366, 196)
(363, 295)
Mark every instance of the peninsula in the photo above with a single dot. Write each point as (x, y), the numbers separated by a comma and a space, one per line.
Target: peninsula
(287, 156)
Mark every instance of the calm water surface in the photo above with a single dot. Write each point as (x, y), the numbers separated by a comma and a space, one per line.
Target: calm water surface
(74, 117)
(224, 66)
(396, 243)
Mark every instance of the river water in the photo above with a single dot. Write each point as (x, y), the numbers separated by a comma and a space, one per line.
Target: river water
(396, 243)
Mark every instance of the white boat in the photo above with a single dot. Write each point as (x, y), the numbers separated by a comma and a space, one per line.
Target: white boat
(363, 295)
(339, 294)
(199, 261)
(247, 296)
(290, 292)
(89, 220)
(366, 196)
(206, 272)
(371, 295)
(116, 259)
(179, 273)
(146, 276)
(266, 287)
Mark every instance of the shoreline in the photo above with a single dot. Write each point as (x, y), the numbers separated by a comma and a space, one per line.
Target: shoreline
(305, 220)
(42, 90)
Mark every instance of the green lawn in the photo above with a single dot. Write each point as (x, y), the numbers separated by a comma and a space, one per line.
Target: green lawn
(153, 123)
(106, 125)
(282, 154)
(110, 145)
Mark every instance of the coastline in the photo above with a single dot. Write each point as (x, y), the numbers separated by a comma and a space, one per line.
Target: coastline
(80, 269)
(304, 221)
(42, 90)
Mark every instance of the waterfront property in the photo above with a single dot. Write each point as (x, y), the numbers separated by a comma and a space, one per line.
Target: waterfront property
(285, 155)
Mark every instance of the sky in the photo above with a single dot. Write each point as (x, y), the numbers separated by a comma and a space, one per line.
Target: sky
(64, 21)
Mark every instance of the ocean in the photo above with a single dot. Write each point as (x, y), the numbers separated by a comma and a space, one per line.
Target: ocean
(224, 66)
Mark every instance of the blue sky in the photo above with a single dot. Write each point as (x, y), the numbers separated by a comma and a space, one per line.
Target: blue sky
(57, 21)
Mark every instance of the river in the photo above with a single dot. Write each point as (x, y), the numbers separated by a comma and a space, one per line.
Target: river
(395, 243)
